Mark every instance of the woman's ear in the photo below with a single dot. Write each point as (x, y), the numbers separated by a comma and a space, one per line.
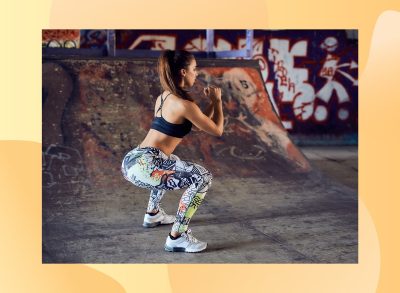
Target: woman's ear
(183, 72)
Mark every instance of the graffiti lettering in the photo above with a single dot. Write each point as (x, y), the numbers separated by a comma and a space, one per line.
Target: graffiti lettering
(304, 88)
(62, 169)
(244, 84)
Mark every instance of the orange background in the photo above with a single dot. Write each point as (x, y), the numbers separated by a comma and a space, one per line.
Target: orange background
(20, 145)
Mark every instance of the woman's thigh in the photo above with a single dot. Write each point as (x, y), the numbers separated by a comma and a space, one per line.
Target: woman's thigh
(158, 172)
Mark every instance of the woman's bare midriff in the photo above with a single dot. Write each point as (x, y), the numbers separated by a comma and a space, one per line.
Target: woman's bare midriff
(163, 142)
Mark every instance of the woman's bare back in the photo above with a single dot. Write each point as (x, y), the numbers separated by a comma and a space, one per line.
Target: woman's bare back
(171, 112)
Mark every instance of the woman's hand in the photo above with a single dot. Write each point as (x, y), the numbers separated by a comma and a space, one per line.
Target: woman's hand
(213, 92)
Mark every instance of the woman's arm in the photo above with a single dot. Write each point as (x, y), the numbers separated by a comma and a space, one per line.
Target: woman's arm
(218, 115)
(212, 126)
(209, 111)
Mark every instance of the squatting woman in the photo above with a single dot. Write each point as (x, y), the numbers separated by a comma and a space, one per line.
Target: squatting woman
(153, 165)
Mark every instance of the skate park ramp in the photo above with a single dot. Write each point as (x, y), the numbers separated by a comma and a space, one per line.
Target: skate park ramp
(264, 189)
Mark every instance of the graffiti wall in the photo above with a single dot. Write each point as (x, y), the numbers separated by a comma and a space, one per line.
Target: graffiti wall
(95, 111)
(310, 75)
(93, 38)
(61, 38)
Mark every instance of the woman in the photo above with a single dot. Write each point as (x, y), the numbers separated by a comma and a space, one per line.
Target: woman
(152, 165)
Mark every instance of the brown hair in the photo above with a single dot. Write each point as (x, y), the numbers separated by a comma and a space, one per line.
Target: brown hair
(169, 65)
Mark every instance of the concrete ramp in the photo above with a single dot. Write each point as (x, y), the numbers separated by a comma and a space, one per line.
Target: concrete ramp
(96, 110)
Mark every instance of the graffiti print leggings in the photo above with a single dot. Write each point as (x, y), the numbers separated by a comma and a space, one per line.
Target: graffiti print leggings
(150, 168)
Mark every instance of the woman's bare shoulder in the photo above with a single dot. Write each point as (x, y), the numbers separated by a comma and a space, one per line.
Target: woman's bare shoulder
(181, 103)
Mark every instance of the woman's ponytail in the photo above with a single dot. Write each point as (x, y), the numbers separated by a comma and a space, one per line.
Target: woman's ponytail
(169, 65)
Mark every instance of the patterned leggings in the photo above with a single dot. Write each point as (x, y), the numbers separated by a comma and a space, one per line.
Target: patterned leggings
(150, 168)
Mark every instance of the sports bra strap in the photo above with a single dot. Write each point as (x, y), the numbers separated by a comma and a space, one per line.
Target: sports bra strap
(162, 103)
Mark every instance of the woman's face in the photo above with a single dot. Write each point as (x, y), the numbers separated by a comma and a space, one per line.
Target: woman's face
(190, 74)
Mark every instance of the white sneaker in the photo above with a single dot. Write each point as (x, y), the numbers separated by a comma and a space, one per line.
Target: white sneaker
(185, 243)
(160, 218)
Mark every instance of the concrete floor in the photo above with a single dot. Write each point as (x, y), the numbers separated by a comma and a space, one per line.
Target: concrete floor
(337, 162)
(312, 219)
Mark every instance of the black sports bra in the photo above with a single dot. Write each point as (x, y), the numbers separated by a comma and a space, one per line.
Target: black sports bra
(171, 129)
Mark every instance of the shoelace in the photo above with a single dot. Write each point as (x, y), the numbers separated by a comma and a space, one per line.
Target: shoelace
(161, 212)
(189, 236)
(160, 209)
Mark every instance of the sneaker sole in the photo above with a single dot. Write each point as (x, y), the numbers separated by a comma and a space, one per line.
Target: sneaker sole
(181, 249)
(151, 225)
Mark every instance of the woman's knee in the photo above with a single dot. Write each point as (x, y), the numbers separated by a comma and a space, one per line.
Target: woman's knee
(209, 178)
(206, 180)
